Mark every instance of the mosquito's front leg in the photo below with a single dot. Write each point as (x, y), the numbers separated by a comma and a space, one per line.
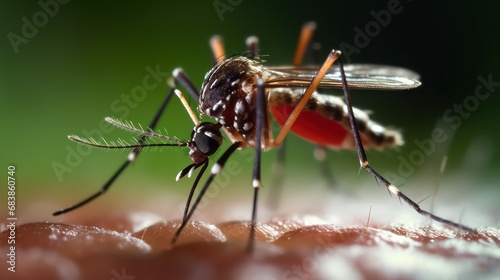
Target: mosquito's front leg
(180, 76)
(131, 157)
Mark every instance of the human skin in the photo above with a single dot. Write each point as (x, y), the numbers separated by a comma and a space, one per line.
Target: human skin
(134, 244)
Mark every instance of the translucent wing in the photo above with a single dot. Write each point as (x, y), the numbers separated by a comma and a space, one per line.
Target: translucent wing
(359, 76)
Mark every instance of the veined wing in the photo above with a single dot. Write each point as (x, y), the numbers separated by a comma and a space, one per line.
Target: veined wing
(359, 76)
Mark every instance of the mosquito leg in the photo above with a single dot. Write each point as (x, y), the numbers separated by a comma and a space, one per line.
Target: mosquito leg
(304, 42)
(260, 118)
(363, 161)
(303, 45)
(256, 183)
(160, 111)
(332, 57)
(131, 157)
(182, 78)
(252, 43)
(320, 154)
(217, 48)
(216, 168)
(95, 195)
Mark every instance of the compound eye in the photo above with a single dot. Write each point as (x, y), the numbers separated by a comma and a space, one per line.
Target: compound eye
(207, 138)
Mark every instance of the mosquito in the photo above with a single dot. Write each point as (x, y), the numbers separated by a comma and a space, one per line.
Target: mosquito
(241, 95)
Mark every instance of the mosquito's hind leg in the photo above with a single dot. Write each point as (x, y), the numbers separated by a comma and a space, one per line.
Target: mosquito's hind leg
(363, 161)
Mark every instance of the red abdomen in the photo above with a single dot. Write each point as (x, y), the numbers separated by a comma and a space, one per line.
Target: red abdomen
(324, 121)
(312, 127)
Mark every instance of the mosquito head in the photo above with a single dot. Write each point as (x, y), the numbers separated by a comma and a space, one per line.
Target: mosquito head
(228, 95)
(205, 140)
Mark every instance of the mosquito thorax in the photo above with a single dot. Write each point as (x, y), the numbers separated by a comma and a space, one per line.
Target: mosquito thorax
(228, 95)
(206, 138)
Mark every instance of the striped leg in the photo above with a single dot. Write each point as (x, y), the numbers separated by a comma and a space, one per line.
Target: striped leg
(363, 161)
(256, 183)
(131, 157)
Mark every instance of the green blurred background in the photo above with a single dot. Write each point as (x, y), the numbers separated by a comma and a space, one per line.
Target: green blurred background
(73, 71)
